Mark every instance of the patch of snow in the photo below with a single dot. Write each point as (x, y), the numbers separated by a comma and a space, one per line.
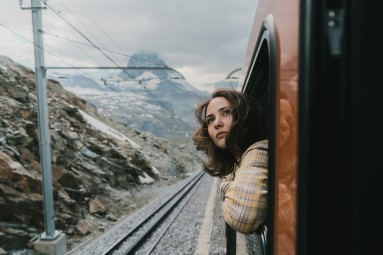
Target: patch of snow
(155, 170)
(146, 179)
(147, 115)
(3, 67)
(87, 91)
(147, 75)
(107, 130)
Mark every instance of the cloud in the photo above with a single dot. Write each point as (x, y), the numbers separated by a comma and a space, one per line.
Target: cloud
(206, 39)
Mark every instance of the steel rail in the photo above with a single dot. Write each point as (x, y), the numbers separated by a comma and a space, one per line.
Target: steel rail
(158, 214)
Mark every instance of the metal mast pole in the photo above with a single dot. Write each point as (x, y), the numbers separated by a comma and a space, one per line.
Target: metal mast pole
(173, 163)
(43, 123)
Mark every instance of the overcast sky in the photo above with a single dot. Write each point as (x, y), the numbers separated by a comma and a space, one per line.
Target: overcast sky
(203, 39)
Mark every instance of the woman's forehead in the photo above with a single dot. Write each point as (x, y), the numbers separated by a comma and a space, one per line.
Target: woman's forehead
(216, 104)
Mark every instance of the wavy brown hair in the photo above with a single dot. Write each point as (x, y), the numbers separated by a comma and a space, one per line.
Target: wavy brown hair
(248, 127)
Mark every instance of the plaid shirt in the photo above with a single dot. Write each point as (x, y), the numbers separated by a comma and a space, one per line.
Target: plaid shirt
(244, 192)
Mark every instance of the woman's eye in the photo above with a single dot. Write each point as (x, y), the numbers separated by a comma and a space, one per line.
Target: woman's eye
(208, 121)
(226, 112)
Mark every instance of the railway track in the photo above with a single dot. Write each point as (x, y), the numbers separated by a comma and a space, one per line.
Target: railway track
(131, 234)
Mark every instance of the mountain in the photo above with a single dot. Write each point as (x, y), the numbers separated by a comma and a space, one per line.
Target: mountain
(98, 166)
(147, 95)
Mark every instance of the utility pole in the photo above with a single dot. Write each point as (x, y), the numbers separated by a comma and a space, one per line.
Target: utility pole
(172, 138)
(51, 241)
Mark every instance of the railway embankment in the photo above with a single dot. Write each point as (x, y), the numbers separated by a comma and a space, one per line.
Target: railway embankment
(97, 170)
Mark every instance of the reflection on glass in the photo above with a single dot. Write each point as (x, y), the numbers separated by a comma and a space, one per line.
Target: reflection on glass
(286, 178)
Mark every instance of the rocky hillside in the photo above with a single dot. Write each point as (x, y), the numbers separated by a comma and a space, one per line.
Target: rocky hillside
(97, 169)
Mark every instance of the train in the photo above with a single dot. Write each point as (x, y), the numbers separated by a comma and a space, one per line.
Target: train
(317, 68)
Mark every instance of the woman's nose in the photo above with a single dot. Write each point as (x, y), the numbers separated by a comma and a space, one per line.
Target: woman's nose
(218, 123)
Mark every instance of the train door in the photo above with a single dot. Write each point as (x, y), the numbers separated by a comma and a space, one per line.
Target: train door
(317, 66)
(261, 83)
(340, 124)
(270, 74)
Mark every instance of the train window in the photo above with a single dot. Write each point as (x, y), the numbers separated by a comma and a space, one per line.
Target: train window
(260, 82)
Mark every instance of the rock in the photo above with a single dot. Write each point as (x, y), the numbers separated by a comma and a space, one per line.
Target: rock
(111, 217)
(97, 207)
(84, 150)
(83, 227)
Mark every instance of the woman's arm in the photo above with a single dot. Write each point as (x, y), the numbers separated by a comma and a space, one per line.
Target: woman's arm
(225, 184)
(244, 205)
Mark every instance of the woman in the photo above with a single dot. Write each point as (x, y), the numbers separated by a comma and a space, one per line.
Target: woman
(232, 134)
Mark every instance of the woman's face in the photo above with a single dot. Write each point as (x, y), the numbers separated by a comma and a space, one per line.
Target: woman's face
(219, 120)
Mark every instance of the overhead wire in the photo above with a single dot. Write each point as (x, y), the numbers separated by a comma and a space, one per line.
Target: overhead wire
(106, 34)
(46, 51)
(86, 74)
(81, 33)
(122, 52)
(90, 77)
(98, 48)
(94, 23)
(30, 41)
(52, 8)
(79, 48)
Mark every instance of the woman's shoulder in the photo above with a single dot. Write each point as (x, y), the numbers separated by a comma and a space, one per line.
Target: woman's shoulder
(256, 154)
(262, 145)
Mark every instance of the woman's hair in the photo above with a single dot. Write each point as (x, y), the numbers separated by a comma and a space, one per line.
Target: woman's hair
(248, 127)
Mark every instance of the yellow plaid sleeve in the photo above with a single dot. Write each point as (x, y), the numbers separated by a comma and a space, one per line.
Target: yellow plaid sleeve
(244, 205)
(225, 184)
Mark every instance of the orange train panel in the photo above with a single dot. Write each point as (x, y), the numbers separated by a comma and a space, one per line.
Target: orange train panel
(286, 19)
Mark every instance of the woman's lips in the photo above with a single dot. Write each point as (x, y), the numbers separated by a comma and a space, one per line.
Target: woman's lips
(220, 135)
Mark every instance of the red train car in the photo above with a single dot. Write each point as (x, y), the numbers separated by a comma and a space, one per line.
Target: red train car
(317, 67)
